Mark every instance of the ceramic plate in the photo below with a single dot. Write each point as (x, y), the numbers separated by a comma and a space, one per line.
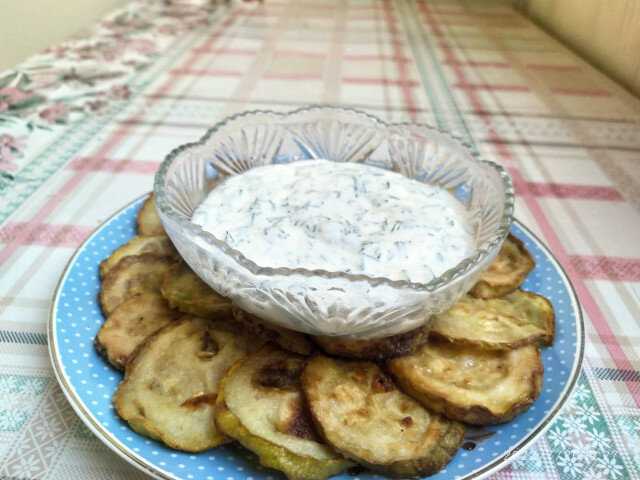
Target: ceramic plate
(89, 382)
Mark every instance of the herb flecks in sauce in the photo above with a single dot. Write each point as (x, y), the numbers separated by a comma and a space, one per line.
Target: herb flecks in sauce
(343, 217)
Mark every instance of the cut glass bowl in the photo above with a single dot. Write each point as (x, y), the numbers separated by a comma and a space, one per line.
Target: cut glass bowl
(320, 302)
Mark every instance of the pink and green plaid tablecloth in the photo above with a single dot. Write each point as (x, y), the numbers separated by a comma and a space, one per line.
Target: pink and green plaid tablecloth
(84, 125)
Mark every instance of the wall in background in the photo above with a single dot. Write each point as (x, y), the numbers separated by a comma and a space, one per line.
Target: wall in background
(29, 26)
(605, 32)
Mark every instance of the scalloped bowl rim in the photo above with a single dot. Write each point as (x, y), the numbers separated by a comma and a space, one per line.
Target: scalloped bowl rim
(436, 284)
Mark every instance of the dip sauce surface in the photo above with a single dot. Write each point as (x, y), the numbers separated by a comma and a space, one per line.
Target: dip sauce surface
(344, 217)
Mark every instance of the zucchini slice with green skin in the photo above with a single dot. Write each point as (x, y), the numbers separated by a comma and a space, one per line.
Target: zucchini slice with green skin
(148, 220)
(290, 340)
(130, 324)
(260, 404)
(361, 413)
(187, 292)
(379, 349)
(159, 244)
(507, 271)
(171, 383)
(494, 324)
(481, 387)
(539, 312)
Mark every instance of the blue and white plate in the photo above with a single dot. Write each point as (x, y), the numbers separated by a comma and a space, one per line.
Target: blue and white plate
(89, 382)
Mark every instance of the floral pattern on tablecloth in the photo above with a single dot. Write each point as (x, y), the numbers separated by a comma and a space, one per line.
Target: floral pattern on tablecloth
(85, 75)
(579, 441)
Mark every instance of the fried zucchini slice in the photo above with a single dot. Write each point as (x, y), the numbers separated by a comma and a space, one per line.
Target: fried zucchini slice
(148, 220)
(359, 411)
(470, 384)
(295, 342)
(170, 386)
(379, 349)
(538, 311)
(132, 275)
(260, 404)
(492, 324)
(187, 292)
(507, 271)
(130, 324)
(159, 244)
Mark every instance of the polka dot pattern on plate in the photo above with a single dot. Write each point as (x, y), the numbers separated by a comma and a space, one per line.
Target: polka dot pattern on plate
(76, 318)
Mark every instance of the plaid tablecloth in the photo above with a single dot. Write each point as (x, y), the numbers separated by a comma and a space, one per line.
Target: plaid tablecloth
(84, 125)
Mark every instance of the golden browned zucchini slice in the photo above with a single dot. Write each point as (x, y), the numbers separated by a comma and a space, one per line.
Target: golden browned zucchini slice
(186, 291)
(130, 324)
(379, 349)
(477, 386)
(493, 324)
(148, 220)
(171, 384)
(360, 412)
(538, 311)
(159, 244)
(260, 404)
(507, 271)
(295, 342)
(132, 275)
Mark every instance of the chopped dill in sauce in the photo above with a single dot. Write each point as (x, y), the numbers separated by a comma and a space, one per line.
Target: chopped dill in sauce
(346, 217)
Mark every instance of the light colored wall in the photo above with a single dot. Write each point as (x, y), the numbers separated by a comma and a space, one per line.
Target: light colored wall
(29, 26)
(605, 32)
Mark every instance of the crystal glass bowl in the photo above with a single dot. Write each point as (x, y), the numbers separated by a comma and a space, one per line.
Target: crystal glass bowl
(320, 302)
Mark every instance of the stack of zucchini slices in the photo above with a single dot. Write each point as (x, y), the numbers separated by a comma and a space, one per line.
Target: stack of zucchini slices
(200, 372)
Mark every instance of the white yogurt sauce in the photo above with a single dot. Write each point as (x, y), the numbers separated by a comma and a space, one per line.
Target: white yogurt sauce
(345, 217)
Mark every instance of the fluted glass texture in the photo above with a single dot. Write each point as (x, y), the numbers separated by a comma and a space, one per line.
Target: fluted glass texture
(321, 302)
